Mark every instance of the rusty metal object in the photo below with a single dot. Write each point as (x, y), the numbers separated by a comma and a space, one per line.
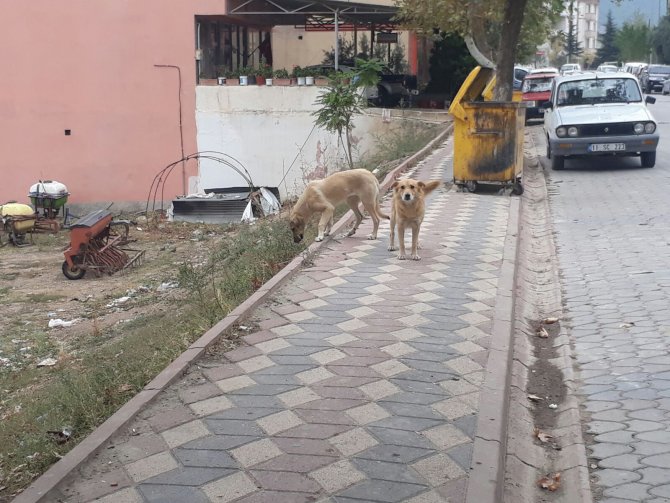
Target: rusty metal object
(95, 245)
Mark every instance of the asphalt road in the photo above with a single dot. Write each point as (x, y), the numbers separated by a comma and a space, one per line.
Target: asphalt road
(612, 231)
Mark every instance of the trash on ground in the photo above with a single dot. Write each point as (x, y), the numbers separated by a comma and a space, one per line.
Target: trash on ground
(550, 482)
(627, 324)
(167, 286)
(57, 322)
(542, 436)
(542, 333)
(534, 398)
(553, 406)
(61, 436)
(47, 362)
(550, 321)
(118, 302)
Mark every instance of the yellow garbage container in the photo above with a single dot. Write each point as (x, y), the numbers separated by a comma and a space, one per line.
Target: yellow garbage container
(488, 136)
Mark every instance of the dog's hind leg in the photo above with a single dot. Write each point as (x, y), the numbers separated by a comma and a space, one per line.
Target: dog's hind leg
(353, 201)
(372, 210)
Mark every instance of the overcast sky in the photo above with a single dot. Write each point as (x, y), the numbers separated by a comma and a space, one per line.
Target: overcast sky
(625, 11)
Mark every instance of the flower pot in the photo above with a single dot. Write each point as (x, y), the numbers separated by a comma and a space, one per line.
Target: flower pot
(301, 81)
(244, 80)
(251, 80)
(221, 81)
(269, 81)
(309, 81)
(281, 82)
(207, 82)
(321, 81)
(260, 80)
(293, 81)
(232, 81)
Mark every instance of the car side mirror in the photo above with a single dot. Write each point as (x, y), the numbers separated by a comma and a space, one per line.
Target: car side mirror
(650, 99)
(547, 105)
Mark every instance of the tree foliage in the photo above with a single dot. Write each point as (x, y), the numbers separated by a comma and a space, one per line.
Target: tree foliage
(450, 63)
(661, 40)
(609, 49)
(492, 23)
(634, 39)
(573, 47)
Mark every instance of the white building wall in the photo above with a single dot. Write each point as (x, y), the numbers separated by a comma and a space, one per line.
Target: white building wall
(264, 128)
(585, 17)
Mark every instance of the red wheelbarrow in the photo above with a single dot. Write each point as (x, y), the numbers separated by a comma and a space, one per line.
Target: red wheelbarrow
(95, 245)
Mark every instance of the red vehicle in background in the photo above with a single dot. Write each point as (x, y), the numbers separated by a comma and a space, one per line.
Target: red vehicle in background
(536, 89)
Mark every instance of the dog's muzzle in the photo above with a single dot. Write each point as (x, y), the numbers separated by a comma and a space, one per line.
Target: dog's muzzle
(297, 239)
(407, 197)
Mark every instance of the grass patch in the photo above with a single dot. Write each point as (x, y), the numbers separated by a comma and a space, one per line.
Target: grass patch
(41, 298)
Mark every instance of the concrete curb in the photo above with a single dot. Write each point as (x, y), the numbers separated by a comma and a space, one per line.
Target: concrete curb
(539, 295)
(46, 485)
(490, 446)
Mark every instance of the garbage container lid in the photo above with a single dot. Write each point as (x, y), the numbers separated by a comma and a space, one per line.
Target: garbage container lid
(472, 88)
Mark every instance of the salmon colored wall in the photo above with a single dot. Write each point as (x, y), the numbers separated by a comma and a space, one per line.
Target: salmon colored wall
(88, 66)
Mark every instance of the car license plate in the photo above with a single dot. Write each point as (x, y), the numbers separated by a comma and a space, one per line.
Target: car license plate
(607, 147)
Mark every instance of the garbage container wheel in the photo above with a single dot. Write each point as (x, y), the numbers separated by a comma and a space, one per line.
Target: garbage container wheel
(471, 186)
(517, 188)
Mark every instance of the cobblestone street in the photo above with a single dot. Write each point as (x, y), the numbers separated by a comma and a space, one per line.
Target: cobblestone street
(611, 220)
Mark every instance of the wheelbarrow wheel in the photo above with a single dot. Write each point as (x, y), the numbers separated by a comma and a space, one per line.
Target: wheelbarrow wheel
(73, 272)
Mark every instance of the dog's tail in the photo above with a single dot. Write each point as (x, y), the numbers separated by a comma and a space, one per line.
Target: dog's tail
(380, 213)
(431, 186)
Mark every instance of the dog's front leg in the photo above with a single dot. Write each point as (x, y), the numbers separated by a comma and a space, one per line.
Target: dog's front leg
(401, 241)
(415, 240)
(326, 217)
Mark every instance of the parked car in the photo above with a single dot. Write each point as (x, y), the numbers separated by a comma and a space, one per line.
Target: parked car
(391, 89)
(666, 87)
(549, 69)
(607, 68)
(519, 74)
(653, 76)
(570, 68)
(634, 68)
(598, 113)
(536, 90)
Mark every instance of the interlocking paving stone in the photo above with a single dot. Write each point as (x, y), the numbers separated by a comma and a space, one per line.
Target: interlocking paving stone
(363, 367)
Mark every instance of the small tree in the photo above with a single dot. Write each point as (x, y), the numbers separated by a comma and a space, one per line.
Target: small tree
(573, 48)
(608, 50)
(342, 99)
(661, 40)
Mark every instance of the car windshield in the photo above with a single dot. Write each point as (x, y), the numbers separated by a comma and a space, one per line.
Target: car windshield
(665, 70)
(537, 85)
(590, 91)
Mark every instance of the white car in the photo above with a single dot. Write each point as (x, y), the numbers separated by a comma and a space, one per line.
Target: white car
(599, 114)
(570, 68)
(607, 68)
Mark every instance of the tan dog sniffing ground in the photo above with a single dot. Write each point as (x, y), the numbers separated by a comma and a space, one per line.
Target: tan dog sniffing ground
(322, 196)
(407, 209)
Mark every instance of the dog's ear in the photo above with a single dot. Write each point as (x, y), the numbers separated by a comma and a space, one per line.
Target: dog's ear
(421, 185)
(394, 184)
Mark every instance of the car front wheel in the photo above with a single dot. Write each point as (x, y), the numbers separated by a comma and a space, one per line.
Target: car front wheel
(648, 159)
(557, 162)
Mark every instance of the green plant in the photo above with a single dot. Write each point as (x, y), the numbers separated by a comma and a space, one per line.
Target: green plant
(246, 71)
(338, 104)
(297, 72)
(367, 72)
(281, 74)
(265, 71)
(231, 74)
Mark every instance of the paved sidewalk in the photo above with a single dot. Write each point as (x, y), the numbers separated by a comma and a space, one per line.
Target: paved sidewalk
(362, 383)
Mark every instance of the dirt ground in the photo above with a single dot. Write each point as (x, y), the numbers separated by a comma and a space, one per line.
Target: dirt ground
(34, 291)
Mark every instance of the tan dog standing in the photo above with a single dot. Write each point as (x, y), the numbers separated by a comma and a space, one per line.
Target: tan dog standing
(322, 196)
(407, 209)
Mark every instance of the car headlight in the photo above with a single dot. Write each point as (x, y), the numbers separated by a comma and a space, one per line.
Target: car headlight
(649, 127)
(573, 131)
(638, 128)
(561, 132)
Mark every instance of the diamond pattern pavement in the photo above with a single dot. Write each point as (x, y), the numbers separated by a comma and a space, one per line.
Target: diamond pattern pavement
(361, 384)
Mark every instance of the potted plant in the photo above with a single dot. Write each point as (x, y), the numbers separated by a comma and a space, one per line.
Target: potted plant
(244, 76)
(321, 80)
(264, 75)
(299, 75)
(281, 78)
(221, 75)
(309, 76)
(232, 78)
